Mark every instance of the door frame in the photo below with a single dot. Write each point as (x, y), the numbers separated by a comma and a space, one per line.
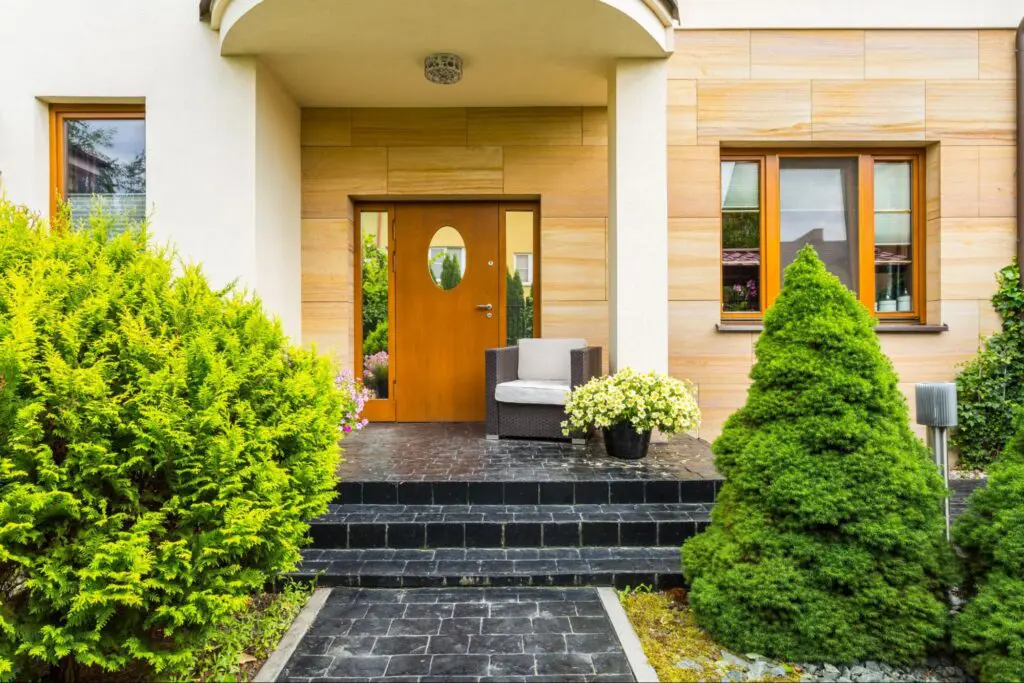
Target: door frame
(384, 410)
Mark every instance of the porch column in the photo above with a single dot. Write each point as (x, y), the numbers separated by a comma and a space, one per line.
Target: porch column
(638, 214)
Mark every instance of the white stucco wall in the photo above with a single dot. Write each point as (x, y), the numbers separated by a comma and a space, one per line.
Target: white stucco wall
(278, 200)
(638, 215)
(755, 14)
(201, 124)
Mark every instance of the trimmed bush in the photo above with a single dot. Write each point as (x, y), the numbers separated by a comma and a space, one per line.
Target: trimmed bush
(990, 630)
(162, 447)
(990, 387)
(827, 537)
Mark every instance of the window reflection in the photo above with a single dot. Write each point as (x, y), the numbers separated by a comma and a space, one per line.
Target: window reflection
(819, 207)
(105, 162)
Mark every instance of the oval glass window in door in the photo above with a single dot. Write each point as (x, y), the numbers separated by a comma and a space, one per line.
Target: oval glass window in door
(446, 258)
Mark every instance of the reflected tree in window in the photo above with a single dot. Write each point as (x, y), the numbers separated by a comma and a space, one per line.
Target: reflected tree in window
(518, 309)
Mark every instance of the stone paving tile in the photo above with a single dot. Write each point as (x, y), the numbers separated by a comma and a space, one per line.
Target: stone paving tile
(527, 635)
(421, 514)
(418, 453)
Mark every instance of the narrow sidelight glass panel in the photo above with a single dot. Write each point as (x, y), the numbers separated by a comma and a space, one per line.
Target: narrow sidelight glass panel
(376, 275)
(894, 255)
(520, 275)
(818, 203)
(105, 162)
(741, 236)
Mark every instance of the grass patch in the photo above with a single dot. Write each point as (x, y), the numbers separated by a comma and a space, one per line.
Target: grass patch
(237, 653)
(669, 634)
(234, 653)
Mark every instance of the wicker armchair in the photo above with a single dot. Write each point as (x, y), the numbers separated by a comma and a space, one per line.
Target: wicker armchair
(527, 386)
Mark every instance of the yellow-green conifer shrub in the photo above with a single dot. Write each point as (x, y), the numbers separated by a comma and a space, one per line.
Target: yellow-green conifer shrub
(162, 446)
(990, 630)
(827, 537)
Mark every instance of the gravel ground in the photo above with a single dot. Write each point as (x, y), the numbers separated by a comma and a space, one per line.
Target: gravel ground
(967, 474)
(869, 672)
(754, 667)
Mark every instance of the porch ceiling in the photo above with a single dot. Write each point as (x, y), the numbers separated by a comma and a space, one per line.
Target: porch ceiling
(369, 53)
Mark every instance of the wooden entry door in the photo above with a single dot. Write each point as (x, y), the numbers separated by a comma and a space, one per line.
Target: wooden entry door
(441, 334)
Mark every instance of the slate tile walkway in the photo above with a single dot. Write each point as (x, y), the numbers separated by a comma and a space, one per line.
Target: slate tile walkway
(459, 452)
(464, 634)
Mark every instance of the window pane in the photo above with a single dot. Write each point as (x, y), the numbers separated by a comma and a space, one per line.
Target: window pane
(374, 229)
(892, 186)
(524, 266)
(740, 185)
(819, 207)
(105, 161)
(894, 267)
(519, 294)
(892, 228)
(741, 236)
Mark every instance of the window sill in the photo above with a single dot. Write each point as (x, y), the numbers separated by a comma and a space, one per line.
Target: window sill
(882, 328)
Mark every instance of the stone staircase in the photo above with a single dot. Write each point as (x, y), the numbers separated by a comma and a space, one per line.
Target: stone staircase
(513, 533)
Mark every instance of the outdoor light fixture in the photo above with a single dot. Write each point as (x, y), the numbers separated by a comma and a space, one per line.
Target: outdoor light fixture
(443, 68)
(936, 408)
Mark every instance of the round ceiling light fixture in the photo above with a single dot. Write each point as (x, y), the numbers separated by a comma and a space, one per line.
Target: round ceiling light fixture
(443, 68)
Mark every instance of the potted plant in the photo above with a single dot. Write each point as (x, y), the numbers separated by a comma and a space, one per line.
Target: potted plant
(628, 406)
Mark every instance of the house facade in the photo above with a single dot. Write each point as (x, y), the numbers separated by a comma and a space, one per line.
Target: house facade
(646, 168)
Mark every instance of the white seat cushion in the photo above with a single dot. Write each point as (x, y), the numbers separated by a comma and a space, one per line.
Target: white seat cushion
(547, 359)
(533, 392)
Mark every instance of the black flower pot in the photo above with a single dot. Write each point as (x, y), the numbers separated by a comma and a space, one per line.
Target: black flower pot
(380, 385)
(622, 441)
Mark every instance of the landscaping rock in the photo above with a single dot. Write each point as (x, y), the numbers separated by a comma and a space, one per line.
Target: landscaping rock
(687, 664)
(733, 660)
(934, 671)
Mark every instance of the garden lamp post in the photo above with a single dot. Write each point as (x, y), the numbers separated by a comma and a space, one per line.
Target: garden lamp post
(936, 408)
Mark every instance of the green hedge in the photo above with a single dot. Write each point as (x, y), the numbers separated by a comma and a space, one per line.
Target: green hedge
(990, 387)
(827, 537)
(990, 630)
(162, 447)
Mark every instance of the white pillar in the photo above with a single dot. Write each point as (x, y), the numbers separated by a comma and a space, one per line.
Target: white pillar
(638, 214)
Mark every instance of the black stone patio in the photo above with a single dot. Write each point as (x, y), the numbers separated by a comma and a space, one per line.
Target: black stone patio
(459, 452)
(470, 634)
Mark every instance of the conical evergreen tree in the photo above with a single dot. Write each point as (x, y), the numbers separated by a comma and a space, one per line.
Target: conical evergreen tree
(826, 541)
(990, 630)
(451, 272)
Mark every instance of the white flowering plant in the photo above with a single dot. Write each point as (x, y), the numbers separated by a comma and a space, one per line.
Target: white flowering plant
(647, 401)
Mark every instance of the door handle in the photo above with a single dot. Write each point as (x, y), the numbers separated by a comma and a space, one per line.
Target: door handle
(484, 307)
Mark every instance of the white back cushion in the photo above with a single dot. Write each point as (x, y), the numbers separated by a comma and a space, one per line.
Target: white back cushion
(547, 359)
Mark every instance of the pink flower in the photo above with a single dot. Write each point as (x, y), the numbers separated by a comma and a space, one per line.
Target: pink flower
(356, 396)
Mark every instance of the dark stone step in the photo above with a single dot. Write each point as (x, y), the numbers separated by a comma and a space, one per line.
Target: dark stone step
(507, 526)
(590, 492)
(960, 491)
(461, 567)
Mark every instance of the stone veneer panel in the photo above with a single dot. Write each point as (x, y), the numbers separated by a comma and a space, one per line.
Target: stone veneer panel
(949, 90)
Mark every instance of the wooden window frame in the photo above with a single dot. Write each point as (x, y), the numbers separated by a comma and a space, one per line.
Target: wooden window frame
(383, 410)
(770, 273)
(763, 226)
(59, 113)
